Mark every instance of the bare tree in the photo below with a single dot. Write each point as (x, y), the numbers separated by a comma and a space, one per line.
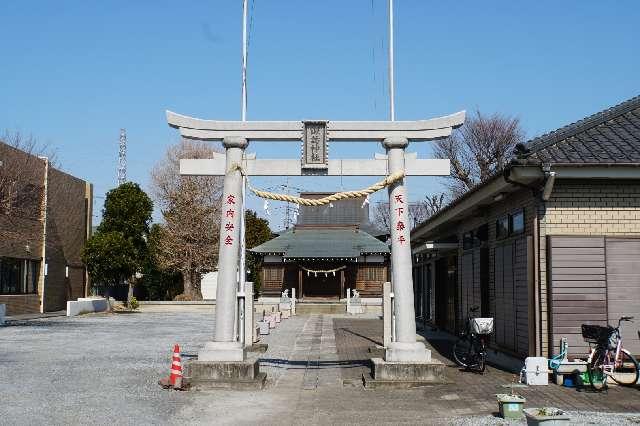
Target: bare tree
(190, 206)
(419, 211)
(479, 149)
(21, 178)
(381, 216)
(434, 203)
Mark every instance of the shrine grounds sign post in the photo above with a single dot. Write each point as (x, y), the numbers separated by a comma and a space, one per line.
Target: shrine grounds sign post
(223, 361)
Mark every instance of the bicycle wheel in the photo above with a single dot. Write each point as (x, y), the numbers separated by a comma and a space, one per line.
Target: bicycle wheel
(482, 358)
(626, 373)
(595, 370)
(462, 353)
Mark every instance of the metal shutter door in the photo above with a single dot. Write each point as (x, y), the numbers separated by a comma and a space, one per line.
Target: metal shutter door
(578, 289)
(623, 287)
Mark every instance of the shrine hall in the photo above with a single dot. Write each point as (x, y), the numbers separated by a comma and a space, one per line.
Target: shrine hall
(330, 249)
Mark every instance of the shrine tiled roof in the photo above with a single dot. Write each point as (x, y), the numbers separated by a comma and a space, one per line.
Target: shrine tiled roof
(323, 243)
(349, 212)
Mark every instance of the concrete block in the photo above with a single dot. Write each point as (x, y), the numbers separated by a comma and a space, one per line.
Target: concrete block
(85, 305)
(404, 374)
(3, 312)
(263, 327)
(242, 375)
(222, 351)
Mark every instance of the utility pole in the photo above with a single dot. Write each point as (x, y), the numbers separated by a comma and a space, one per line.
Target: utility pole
(122, 157)
(242, 273)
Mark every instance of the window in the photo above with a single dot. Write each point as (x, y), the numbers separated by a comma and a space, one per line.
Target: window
(370, 273)
(18, 276)
(517, 223)
(502, 227)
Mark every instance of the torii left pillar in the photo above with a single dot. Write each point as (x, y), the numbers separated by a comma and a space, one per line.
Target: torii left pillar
(225, 347)
(222, 362)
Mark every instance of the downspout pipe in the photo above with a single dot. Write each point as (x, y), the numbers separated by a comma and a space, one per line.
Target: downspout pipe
(548, 185)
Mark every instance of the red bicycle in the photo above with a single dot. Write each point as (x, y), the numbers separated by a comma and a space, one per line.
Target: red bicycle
(608, 358)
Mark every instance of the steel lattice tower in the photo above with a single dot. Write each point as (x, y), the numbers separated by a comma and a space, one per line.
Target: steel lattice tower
(122, 158)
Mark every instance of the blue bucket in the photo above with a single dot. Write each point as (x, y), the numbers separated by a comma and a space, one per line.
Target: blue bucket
(569, 381)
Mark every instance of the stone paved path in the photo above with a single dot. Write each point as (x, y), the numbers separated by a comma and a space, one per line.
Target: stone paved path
(470, 393)
(315, 364)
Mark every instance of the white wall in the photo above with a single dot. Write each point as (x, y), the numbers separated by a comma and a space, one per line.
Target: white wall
(209, 285)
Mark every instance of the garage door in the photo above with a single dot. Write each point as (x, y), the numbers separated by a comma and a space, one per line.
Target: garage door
(594, 280)
(623, 287)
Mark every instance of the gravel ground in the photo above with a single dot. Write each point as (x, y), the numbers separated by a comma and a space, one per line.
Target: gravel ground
(575, 419)
(94, 369)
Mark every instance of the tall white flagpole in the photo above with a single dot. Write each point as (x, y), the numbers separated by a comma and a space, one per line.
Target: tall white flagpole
(391, 79)
(242, 268)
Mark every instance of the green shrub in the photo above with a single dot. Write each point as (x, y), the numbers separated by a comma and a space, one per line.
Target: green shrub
(133, 304)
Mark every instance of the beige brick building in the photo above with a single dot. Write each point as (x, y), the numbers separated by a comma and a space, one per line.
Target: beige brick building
(548, 244)
(45, 220)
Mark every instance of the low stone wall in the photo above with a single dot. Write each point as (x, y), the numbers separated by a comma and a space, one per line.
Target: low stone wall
(86, 305)
(18, 304)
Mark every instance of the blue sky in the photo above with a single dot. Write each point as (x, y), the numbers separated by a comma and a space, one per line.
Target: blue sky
(73, 73)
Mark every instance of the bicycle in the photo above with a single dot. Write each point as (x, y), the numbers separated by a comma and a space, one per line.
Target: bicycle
(470, 350)
(608, 358)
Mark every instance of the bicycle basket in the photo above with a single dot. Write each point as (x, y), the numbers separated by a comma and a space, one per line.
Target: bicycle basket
(596, 333)
(481, 325)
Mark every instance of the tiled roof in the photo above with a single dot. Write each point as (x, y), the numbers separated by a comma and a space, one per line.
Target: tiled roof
(323, 243)
(611, 136)
(351, 211)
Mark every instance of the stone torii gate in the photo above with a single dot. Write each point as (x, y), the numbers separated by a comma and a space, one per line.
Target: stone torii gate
(394, 136)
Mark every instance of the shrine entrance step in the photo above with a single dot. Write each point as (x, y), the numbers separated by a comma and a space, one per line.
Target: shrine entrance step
(320, 308)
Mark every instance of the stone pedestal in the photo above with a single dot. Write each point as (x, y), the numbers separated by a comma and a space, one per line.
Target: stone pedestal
(272, 321)
(355, 308)
(286, 314)
(284, 306)
(278, 316)
(222, 351)
(407, 352)
(385, 374)
(240, 375)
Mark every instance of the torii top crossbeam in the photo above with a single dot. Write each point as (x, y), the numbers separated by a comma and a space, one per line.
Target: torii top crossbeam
(351, 131)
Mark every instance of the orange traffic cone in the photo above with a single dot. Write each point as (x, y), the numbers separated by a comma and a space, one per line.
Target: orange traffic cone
(176, 369)
(175, 378)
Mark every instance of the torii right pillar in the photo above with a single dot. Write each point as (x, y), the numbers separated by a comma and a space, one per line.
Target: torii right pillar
(407, 363)
(405, 348)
